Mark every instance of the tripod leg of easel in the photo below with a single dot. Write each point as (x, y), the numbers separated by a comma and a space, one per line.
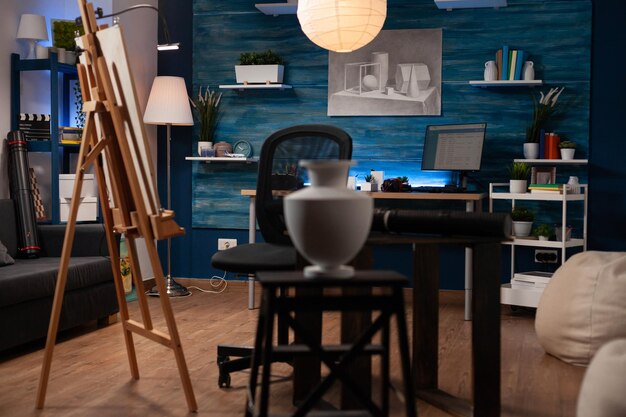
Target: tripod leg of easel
(137, 277)
(115, 262)
(166, 306)
(59, 291)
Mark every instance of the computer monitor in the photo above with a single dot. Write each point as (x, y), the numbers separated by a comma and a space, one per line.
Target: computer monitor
(454, 147)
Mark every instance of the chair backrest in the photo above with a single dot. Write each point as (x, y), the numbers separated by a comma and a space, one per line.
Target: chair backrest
(280, 174)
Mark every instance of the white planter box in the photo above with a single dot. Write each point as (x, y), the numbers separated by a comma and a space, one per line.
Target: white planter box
(369, 186)
(87, 210)
(259, 74)
(66, 186)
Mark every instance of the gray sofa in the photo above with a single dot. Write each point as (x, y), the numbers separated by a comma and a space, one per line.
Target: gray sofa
(27, 287)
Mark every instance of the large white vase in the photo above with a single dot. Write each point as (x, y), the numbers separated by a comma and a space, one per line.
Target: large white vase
(328, 223)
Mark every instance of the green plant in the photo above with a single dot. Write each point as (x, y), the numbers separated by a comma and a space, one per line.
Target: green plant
(543, 110)
(567, 144)
(268, 57)
(543, 230)
(207, 109)
(64, 32)
(522, 214)
(368, 178)
(404, 179)
(519, 170)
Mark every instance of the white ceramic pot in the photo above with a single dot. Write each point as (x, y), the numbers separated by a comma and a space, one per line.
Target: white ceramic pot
(522, 229)
(518, 186)
(531, 150)
(491, 71)
(327, 223)
(567, 153)
(259, 74)
(528, 71)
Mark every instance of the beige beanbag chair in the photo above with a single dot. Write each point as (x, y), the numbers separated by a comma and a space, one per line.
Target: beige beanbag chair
(604, 385)
(583, 306)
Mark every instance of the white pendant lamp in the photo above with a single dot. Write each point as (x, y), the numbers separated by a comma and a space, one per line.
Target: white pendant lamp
(341, 25)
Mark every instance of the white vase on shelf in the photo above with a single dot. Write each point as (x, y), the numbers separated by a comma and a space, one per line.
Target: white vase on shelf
(328, 223)
(528, 71)
(531, 150)
(518, 186)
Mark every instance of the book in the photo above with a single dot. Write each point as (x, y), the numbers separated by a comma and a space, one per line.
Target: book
(512, 64)
(518, 65)
(499, 63)
(542, 144)
(505, 62)
(545, 186)
(534, 276)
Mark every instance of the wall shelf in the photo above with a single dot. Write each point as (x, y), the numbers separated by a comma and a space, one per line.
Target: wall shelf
(275, 9)
(553, 161)
(469, 4)
(209, 159)
(254, 86)
(506, 83)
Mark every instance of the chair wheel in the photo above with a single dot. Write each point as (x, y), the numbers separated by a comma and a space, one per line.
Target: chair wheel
(224, 381)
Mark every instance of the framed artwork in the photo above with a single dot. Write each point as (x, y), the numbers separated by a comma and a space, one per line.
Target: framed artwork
(543, 175)
(388, 77)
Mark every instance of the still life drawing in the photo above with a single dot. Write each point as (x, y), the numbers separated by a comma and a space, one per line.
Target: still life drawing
(397, 74)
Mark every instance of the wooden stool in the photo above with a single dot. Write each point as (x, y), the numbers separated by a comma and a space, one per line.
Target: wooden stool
(310, 298)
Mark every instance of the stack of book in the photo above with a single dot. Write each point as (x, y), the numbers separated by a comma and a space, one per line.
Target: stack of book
(34, 126)
(532, 280)
(546, 188)
(70, 135)
(509, 62)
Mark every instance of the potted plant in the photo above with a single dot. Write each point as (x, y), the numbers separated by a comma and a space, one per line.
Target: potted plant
(568, 148)
(63, 37)
(260, 67)
(370, 184)
(519, 177)
(543, 231)
(207, 111)
(543, 111)
(522, 221)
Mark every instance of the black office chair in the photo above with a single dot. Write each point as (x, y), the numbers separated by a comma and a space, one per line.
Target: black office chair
(279, 174)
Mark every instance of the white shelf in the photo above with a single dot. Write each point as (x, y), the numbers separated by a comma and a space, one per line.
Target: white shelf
(520, 297)
(467, 4)
(275, 9)
(553, 161)
(555, 196)
(572, 243)
(254, 86)
(221, 159)
(506, 83)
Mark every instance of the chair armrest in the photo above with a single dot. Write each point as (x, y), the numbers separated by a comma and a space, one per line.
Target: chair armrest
(89, 240)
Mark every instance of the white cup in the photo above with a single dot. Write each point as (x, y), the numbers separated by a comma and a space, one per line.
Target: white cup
(41, 52)
(204, 148)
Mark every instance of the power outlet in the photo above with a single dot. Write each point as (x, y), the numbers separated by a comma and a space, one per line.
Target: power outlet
(544, 256)
(223, 244)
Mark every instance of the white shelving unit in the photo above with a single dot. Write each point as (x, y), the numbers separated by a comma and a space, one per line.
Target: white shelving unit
(553, 161)
(529, 297)
(255, 86)
(209, 159)
(506, 83)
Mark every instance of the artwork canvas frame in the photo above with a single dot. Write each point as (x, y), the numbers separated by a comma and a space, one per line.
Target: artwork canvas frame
(389, 76)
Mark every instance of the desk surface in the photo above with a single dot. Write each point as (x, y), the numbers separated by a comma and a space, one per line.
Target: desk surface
(409, 196)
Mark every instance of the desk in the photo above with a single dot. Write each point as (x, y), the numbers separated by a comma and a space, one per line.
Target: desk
(473, 203)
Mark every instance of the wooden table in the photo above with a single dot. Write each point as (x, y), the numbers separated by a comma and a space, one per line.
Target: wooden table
(473, 203)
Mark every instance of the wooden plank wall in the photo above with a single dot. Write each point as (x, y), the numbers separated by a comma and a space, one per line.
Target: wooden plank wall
(557, 34)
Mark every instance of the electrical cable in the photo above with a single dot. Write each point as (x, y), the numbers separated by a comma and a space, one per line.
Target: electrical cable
(217, 282)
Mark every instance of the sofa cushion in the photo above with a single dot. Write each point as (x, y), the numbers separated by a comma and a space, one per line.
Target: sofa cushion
(5, 258)
(583, 306)
(8, 228)
(30, 279)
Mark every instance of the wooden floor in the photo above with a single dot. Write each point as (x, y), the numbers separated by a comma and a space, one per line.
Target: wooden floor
(90, 375)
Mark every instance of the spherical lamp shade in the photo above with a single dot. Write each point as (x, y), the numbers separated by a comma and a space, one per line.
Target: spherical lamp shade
(341, 25)
(168, 103)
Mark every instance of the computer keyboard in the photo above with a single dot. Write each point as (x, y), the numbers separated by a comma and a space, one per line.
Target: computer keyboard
(438, 189)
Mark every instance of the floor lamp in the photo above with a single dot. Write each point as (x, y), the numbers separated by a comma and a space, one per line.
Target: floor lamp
(168, 105)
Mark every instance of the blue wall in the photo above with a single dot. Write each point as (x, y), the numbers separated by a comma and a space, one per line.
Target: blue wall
(556, 33)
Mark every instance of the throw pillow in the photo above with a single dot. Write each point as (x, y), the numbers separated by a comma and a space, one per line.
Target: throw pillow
(5, 258)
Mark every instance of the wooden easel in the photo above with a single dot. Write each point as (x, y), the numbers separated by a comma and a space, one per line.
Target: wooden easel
(113, 141)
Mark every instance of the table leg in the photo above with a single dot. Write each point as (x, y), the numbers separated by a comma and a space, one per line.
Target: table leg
(469, 208)
(425, 315)
(486, 329)
(251, 239)
(307, 370)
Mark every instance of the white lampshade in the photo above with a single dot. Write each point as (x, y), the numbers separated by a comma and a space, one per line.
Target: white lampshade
(342, 25)
(32, 26)
(168, 103)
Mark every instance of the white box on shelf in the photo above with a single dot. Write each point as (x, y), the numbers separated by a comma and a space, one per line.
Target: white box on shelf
(263, 74)
(87, 210)
(66, 186)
